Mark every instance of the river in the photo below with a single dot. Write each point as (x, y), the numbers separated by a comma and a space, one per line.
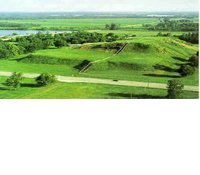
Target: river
(24, 32)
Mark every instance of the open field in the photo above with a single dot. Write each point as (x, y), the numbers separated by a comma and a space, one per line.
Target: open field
(90, 23)
(85, 22)
(138, 33)
(29, 90)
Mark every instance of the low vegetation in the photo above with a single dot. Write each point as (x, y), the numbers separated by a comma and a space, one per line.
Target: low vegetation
(45, 79)
(14, 80)
(175, 89)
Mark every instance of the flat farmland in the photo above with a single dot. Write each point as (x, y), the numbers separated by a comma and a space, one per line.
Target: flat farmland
(85, 22)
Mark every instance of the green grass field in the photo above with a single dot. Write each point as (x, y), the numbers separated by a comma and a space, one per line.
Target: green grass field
(157, 63)
(138, 33)
(73, 53)
(145, 59)
(99, 23)
(85, 22)
(12, 64)
(29, 90)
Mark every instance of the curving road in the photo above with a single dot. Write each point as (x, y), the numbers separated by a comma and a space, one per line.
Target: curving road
(106, 81)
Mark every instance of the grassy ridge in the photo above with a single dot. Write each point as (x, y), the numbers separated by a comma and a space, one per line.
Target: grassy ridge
(150, 59)
(146, 53)
(72, 53)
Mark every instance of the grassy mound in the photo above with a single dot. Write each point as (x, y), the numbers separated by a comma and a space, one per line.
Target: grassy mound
(143, 55)
(106, 47)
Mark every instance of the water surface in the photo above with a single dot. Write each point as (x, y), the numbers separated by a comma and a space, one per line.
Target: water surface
(24, 32)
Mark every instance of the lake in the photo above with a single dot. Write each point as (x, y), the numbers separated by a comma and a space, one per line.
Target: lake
(24, 32)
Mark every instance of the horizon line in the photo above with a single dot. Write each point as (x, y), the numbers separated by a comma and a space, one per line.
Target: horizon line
(84, 11)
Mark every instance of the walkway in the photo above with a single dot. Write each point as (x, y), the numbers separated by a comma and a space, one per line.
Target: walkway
(106, 81)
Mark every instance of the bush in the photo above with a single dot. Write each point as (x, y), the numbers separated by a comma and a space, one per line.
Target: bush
(194, 61)
(186, 70)
(14, 80)
(175, 89)
(45, 79)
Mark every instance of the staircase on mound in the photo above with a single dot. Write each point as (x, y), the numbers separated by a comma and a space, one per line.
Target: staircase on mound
(91, 63)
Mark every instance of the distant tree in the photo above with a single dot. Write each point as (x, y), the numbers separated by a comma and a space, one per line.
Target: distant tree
(175, 89)
(169, 34)
(13, 49)
(159, 34)
(14, 34)
(75, 41)
(186, 70)
(60, 43)
(107, 26)
(194, 61)
(114, 26)
(14, 80)
(45, 79)
(4, 54)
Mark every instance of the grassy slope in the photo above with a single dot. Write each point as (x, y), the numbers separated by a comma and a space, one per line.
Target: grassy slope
(72, 53)
(162, 52)
(128, 56)
(12, 65)
(29, 90)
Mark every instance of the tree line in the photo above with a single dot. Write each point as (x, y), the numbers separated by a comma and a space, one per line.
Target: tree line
(18, 26)
(174, 25)
(189, 37)
(31, 43)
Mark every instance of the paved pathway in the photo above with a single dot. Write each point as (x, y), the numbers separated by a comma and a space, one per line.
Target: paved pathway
(106, 81)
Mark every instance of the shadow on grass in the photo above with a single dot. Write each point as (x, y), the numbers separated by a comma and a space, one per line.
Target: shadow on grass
(138, 96)
(30, 85)
(180, 64)
(165, 68)
(82, 64)
(159, 75)
(3, 89)
(180, 59)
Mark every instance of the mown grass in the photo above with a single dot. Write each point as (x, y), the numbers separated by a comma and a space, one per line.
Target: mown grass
(13, 65)
(144, 76)
(73, 53)
(29, 90)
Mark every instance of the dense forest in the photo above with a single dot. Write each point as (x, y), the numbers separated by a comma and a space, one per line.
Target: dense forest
(174, 25)
(31, 43)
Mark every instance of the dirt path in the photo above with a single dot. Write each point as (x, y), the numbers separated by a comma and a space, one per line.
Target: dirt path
(106, 81)
(188, 46)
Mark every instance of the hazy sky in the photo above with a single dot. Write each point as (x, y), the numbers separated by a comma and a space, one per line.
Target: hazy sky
(98, 5)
